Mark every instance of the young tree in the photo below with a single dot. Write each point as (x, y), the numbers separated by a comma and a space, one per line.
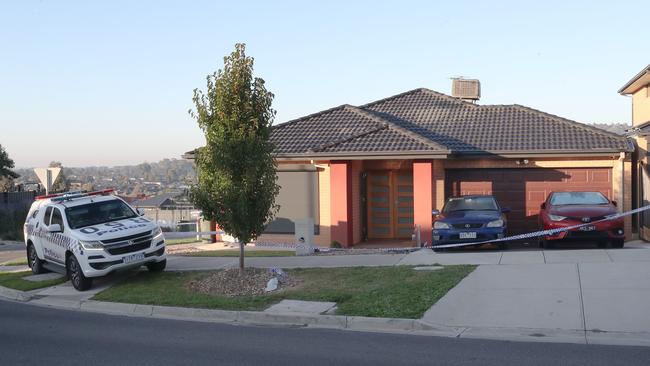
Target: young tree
(236, 170)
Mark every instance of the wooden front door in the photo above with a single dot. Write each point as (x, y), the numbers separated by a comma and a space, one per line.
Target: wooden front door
(390, 204)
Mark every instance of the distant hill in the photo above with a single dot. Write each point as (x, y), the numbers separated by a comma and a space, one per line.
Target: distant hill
(144, 178)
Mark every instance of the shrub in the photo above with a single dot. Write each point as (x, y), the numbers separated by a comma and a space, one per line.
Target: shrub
(11, 224)
(336, 244)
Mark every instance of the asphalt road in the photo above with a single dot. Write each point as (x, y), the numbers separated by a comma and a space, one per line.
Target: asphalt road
(31, 335)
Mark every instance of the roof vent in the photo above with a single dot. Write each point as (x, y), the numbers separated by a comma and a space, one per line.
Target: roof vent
(466, 89)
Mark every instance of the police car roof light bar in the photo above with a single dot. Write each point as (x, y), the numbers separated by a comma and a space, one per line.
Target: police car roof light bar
(74, 194)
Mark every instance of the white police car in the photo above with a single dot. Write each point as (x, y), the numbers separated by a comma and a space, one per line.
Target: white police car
(86, 235)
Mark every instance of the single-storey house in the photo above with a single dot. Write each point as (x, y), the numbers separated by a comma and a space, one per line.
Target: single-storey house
(376, 171)
(167, 209)
(638, 88)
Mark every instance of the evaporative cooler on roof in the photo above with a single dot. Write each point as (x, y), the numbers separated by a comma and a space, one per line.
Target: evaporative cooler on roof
(466, 89)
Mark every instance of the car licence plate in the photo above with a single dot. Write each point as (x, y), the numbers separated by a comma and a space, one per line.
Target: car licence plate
(467, 235)
(587, 228)
(133, 258)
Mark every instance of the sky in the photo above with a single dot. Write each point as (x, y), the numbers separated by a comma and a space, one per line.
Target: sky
(92, 83)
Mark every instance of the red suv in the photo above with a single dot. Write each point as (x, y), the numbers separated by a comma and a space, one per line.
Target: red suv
(563, 209)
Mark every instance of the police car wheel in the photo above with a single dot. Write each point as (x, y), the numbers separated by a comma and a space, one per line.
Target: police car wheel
(79, 281)
(34, 262)
(157, 266)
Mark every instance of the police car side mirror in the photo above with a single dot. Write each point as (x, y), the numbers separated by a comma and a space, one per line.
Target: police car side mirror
(54, 228)
(543, 206)
(140, 211)
(614, 203)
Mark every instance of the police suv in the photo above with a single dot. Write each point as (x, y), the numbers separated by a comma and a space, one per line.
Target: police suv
(86, 235)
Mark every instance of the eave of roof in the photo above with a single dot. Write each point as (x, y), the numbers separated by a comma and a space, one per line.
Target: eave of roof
(639, 80)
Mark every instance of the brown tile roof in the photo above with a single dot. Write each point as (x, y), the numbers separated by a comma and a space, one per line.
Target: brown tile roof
(424, 121)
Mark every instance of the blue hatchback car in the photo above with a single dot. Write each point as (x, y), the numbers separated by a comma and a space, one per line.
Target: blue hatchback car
(468, 219)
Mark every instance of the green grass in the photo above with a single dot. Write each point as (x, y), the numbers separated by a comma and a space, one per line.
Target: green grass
(393, 292)
(235, 253)
(182, 241)
(15, 280)
(16, 262)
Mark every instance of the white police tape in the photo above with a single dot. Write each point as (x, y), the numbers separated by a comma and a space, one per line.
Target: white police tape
(191, 234)
(541, 233)
(536, 234)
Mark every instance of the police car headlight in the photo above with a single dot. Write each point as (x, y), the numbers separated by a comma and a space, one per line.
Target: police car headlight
(440, 225)
(91, 244)
(157, 233)
(495, 223)
(556, 217)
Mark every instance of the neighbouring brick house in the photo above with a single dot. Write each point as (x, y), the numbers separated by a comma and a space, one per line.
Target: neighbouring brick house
(638, 88)
(375, 171)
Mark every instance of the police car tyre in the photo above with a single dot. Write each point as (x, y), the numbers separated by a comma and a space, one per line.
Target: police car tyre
(157, 266)
(34, 262)
(79, 281)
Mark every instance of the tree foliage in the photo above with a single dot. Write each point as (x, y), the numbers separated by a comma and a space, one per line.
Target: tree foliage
(61, 182)
(6, 164)
(236, 170)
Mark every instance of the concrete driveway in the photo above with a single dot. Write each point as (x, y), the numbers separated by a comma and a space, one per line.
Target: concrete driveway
(596, 295)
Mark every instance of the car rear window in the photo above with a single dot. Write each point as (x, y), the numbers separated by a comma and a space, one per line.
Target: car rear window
(578, 198)
(471, 204)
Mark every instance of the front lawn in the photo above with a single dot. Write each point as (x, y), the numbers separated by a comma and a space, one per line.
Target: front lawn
(191, 240)
(392, 292)
(16, 262)
(15, 281)
(247, 253)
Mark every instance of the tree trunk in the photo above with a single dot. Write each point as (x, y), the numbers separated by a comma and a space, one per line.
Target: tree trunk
(241, 256)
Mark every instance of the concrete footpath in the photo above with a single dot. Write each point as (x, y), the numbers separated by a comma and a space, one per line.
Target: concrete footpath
(586, 296)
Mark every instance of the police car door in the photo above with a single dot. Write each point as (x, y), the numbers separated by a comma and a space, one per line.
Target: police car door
(44, 235)
(58, 240)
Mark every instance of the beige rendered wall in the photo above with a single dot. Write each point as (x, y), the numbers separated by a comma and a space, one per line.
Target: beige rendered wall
(323, 238)
(641, 106)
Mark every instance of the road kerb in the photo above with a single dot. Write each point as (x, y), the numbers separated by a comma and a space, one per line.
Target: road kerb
(108, 307)
(320, 321)
(383, 324)
(526, 335)
(15, 295)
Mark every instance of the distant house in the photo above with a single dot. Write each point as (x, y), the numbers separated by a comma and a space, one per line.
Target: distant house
(168, 209)
(376, 171)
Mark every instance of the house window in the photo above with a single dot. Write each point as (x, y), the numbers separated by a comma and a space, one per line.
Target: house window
(298, 199)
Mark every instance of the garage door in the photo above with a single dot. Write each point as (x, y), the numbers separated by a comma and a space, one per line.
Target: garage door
(524, 190)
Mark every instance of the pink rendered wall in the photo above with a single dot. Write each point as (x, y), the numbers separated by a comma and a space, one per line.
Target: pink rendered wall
(423, 197)
(341, 202)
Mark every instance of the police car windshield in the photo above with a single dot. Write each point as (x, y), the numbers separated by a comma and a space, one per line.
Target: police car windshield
(471, 204)
(98, 213)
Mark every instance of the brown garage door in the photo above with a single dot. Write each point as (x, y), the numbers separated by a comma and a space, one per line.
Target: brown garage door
(524, 190)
